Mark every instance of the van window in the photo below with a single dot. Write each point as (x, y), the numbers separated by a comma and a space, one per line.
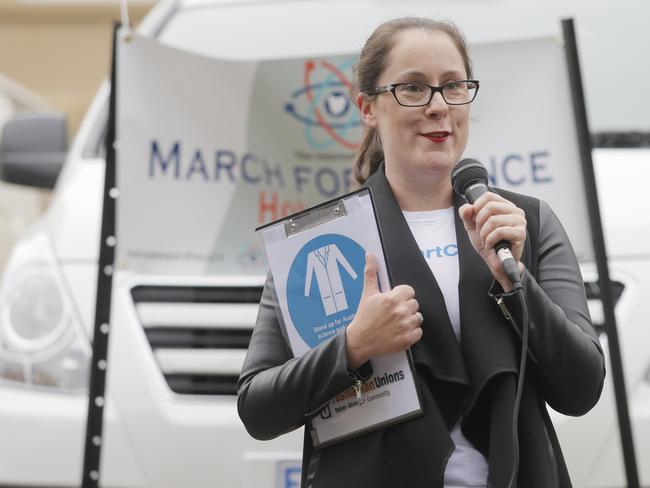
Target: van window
(275, 30)
(592, 289)
(95, 146)
(269, 30)
(613, 42)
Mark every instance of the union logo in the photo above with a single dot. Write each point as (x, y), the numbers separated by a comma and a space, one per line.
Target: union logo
(323, 106)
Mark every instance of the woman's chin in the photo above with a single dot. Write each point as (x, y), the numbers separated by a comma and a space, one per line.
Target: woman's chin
(439, 163)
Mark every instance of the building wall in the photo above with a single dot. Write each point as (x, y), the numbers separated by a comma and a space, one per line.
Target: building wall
(61, 50)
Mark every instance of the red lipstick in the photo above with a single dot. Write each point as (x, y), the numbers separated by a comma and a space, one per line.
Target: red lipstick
(440, 136)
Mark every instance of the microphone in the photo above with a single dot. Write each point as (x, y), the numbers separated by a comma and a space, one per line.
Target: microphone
(470, 180)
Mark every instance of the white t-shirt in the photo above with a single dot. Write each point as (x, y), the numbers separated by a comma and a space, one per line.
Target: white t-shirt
(435, 234)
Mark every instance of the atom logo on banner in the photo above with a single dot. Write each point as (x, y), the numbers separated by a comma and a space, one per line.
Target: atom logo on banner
(330, 112)
(324, 286)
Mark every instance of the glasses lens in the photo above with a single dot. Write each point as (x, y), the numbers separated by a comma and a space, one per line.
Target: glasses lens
(412, 94)
(459, 92)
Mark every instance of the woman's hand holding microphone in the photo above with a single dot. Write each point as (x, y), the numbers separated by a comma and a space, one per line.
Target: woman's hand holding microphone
(489, 220)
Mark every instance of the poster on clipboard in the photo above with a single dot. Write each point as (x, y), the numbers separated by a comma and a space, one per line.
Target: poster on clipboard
(317, 259)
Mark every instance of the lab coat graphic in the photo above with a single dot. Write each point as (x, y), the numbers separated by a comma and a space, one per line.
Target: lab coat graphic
(324, 264)
(324, 286)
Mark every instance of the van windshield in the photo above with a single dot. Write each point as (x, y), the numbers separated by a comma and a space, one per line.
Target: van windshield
(613, 42)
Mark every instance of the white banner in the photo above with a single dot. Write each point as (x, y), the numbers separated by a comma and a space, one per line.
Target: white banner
(523, 129)
(209, 149)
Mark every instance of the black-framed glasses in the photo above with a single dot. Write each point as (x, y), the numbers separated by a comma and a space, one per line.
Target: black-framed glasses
(459, 92)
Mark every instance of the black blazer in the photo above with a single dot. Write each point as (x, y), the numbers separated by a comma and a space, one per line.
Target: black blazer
(475, 378)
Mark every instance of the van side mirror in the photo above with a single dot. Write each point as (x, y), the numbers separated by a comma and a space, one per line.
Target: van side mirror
(33, 149)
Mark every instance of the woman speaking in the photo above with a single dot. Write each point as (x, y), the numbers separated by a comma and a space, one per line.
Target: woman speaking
(454, 309)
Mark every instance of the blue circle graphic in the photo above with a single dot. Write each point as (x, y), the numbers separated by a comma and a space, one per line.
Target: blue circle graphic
(324, 286)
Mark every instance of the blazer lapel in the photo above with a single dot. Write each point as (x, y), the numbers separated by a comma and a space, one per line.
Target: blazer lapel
(438, 349)
(476, 377)
(487, 343)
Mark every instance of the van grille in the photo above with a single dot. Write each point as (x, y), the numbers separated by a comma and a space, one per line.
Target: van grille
(198, 335)
(198, 338)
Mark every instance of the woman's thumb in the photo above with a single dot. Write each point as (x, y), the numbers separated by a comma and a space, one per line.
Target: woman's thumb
(370, 283)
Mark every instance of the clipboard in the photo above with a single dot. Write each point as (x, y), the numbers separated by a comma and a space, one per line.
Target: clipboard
(317, 258)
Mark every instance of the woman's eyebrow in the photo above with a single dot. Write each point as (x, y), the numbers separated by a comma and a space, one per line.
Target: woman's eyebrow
(412, 74)
(417, 75)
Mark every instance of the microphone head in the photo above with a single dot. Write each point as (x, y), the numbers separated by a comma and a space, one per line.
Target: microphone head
(467, 173)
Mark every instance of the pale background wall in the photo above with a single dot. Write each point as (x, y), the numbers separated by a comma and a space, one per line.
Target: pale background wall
(61, 49)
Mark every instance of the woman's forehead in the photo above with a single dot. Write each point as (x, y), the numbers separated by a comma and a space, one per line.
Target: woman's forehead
(419, 53)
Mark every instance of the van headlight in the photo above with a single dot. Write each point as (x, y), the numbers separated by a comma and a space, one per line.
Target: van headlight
(41, 340)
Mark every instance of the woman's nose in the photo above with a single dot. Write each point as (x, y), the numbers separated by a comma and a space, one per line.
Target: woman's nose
(437, 105)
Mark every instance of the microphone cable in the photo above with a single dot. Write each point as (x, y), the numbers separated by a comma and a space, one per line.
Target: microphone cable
(520, 381)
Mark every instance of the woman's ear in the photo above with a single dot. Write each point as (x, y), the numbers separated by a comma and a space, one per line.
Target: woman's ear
(366, 104)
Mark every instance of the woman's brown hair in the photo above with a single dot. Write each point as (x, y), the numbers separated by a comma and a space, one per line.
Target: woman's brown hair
(371, 64)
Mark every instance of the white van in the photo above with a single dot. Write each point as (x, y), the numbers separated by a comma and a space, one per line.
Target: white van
(177, 343)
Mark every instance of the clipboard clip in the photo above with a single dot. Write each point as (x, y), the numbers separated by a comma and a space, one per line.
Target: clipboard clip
(315, 217)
